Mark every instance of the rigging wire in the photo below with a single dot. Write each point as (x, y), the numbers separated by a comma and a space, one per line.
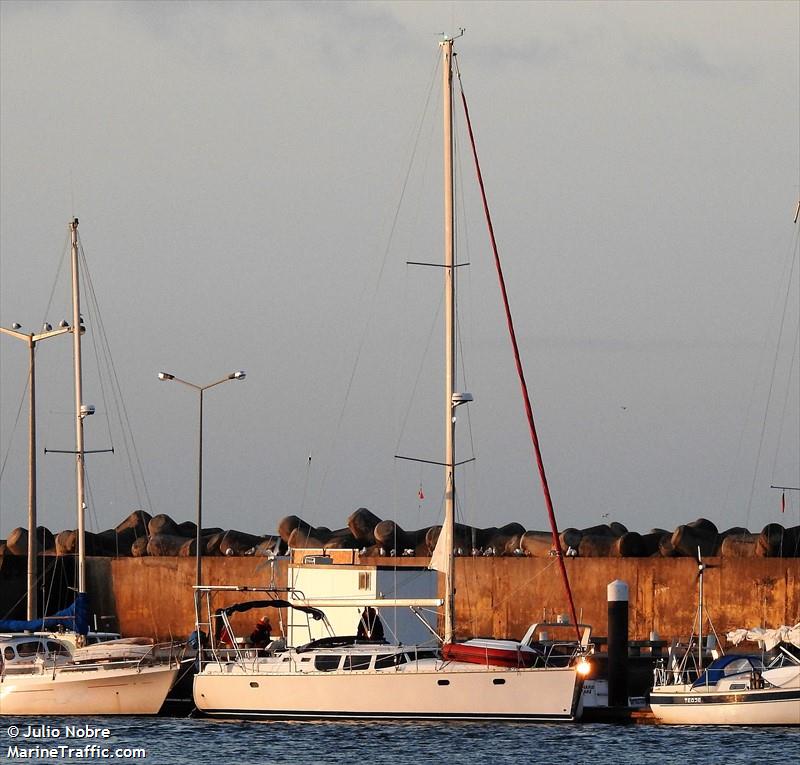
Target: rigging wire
(91, 313)
(130, 448)
(786, 296)
(90, 504)
(782, 419)
(520, 372)
(28, 379)
(65, 248)
(14, 428)
(461, 231)
(373, 299)
(752, 396)
(420, 368)
(305, 485)
(509, 595)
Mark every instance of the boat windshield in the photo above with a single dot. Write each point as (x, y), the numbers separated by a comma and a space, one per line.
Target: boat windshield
(726, 666)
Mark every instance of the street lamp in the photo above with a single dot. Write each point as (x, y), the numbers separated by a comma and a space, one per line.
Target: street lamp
(31, 340)
(201, 389)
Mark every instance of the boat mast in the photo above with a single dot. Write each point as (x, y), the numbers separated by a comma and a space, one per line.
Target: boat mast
(32, 535)
(79, 453)
(449, 339)
(701, 567)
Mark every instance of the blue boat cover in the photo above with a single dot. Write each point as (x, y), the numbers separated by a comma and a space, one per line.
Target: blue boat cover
(74, 617)
(716, 670)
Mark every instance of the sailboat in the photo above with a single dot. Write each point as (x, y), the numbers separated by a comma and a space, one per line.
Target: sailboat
(733, 689)
(363, 676)
(55, 674)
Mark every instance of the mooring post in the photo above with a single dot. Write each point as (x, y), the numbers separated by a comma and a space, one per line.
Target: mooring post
(617, 593)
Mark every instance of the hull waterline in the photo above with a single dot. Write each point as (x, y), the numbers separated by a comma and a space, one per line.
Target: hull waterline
(543, 695)
(112, 691)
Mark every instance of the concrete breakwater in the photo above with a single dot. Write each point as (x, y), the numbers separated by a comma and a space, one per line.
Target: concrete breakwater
(143, 535)
(141, 572)
(494, 595)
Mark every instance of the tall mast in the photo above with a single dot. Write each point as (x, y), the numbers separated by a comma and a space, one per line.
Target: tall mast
(449, 339)
(32, 536)
(79, 453)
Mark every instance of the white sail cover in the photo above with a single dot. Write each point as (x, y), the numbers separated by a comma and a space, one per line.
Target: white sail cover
(767, 639)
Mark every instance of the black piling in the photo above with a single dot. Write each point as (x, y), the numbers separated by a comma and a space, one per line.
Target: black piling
(617, 644)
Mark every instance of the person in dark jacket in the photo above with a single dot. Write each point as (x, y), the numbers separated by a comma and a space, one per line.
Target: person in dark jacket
(370, 626)
(261, 636)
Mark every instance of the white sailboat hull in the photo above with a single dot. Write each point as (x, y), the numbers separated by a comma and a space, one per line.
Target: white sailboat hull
(498, 694)
(99, 690)
(681, 705)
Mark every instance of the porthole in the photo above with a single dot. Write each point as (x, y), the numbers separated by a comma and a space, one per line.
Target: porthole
(254, 685)
(498, 681)
(443, 682)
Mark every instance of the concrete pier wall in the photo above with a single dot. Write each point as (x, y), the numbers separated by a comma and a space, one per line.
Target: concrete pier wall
(499, 596)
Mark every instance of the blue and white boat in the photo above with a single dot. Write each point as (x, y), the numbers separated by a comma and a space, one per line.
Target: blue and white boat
(733, 690)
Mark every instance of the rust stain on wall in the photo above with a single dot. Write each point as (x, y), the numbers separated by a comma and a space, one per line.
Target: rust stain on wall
(494, 596)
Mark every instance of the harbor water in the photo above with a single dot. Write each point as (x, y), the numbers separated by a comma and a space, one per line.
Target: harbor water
(189, 741)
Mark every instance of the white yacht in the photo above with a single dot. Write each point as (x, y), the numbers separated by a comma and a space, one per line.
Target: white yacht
(365, 677)
(361, 677)
(46, 675)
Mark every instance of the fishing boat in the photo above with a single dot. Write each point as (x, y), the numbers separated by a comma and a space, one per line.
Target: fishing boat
(733, 689)
(52, 673)
(364, 677)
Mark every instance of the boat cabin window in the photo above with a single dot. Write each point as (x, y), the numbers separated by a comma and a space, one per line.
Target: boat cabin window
(29, 648)
(57, 648)
(425, 655)
(327, 662)
(8, 653)
(357, 662)
(384, 661)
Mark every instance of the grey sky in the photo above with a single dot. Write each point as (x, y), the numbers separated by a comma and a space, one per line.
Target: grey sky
(236, 169)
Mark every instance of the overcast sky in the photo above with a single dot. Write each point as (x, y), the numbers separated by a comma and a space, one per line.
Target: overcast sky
(237, 169)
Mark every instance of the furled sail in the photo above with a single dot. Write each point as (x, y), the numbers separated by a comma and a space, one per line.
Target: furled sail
(74, 618)
(767, 638)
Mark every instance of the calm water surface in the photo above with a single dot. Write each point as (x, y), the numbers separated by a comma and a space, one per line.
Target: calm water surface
(185, 741)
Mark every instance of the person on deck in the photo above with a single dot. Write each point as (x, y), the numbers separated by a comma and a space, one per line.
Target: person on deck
(261, 636)
(225, 638)
(370, 626)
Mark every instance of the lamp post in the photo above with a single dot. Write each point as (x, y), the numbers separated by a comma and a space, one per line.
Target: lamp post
(31, 339)
(201, 389)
